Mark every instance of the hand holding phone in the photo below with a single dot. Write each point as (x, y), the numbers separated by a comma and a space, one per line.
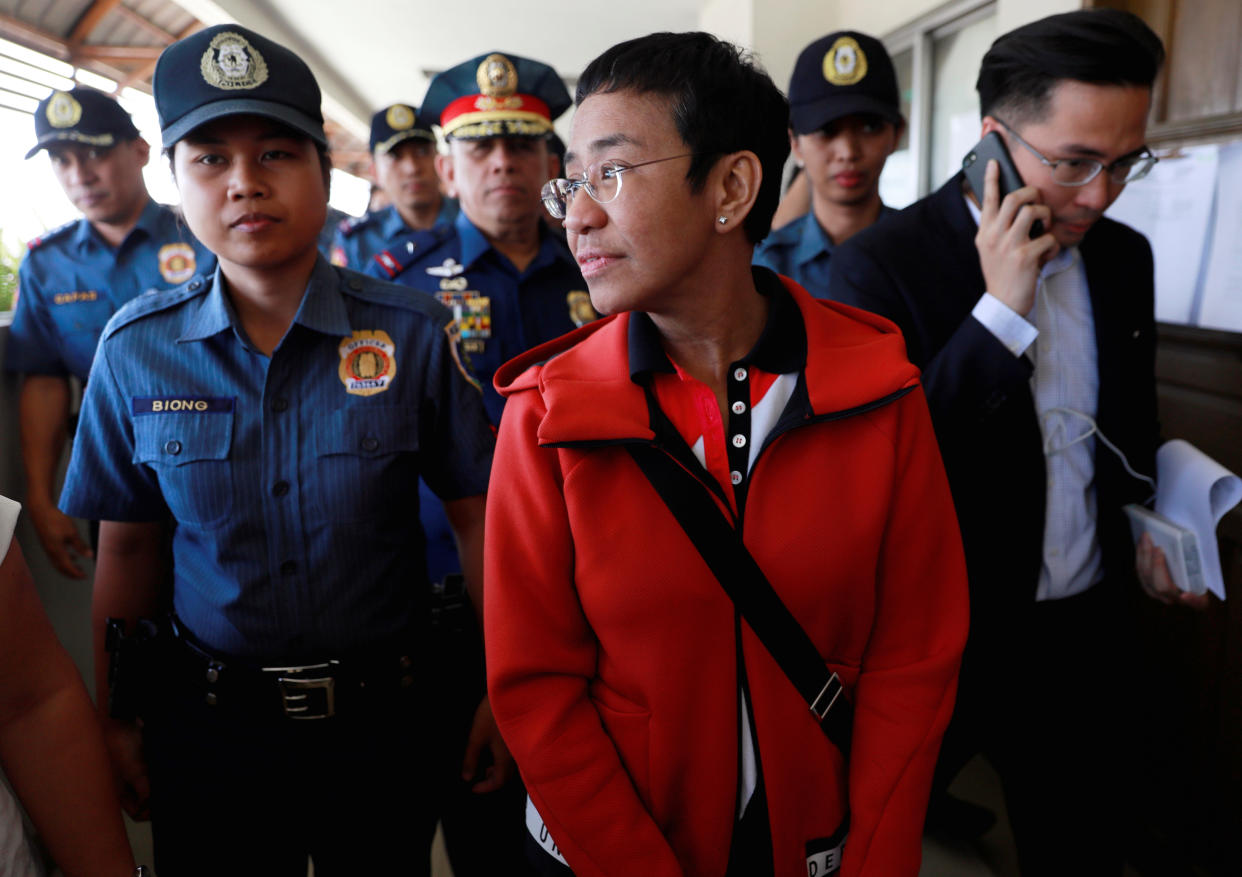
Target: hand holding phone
(1013, 245)
(975, 163)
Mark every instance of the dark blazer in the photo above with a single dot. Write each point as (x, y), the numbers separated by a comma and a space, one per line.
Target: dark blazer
(921, 270)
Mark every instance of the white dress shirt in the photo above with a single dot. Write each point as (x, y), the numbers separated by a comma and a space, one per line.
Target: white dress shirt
(1059, 336)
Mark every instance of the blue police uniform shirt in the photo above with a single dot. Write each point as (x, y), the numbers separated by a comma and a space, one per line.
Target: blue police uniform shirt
(358, 240)
(801, 251)
(327, 234)
(71, 282)
(291, 478)
(502, 312)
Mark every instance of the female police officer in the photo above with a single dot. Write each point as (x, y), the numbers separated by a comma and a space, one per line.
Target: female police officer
(277, 414)
(656, 733)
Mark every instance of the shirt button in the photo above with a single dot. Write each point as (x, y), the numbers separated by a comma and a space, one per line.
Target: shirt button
(739, 407)
(355, 284)
(370, 443)
(736, 477)
(280, 488)
(739, 441)
(288, 568)
(195, 285)
(739, 374)
(172, 446)
(279, 404)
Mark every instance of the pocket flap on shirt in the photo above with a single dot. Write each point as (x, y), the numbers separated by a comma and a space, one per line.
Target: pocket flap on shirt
(183, 437)
(368, 431)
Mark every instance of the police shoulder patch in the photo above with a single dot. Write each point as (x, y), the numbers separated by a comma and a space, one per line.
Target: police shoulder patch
(348, 226)
(58, 232)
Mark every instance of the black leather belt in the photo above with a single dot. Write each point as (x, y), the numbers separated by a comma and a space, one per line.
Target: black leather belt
(299, 692)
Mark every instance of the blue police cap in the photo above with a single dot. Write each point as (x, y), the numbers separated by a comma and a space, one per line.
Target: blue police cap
(80, 115)
(842, 74)
(229, 70)
(496, 95)
(396, 123)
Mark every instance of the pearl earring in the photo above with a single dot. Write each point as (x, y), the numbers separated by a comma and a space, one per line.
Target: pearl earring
(723, 220)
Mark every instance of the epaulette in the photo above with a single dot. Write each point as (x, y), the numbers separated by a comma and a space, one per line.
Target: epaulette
(155, 300)
(52, 235)
(374, 289)
(348, 226)
(409, 248)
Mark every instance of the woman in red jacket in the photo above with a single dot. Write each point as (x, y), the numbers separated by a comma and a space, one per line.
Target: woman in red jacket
(656, 732)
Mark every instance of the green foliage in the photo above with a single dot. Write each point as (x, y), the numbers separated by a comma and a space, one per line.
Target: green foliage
(10, 257)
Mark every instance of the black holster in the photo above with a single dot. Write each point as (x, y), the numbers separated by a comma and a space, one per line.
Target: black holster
(132, 662)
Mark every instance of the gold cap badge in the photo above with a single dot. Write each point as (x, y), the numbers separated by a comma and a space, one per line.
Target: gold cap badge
(496, 76)
(63, 110)
(399, 117)
(845, 63)
(231, 63)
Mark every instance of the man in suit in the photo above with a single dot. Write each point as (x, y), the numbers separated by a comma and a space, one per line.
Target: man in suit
(1037, 345)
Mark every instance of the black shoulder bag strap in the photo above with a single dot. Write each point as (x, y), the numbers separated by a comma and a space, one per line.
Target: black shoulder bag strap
(721, 546)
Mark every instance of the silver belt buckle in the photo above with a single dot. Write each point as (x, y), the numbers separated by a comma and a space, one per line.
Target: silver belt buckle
(827, 697)
(304, 697)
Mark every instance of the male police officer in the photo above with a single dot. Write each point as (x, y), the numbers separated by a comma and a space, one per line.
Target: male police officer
(511, 281)
(403, 153)
(1037, 346)
(76, 276)
(844, 122)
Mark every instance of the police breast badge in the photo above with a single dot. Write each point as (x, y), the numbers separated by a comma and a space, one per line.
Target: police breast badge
(177, 263)
(63, 110)
(845, 63)
(368, 362)
(231, 63)
(580, 309)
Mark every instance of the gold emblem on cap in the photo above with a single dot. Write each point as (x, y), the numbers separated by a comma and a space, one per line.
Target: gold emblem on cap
(63, 110)
(845, 63)
(496, 76)
(399, 117)
(231, 63)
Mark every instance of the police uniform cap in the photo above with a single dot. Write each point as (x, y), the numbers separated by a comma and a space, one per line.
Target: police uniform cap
(229, 70)
(496, 94)
(396, 123)
(81, 115)
(843, 74)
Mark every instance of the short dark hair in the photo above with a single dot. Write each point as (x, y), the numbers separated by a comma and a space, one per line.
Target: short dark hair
(1098, 46)
(721, 99)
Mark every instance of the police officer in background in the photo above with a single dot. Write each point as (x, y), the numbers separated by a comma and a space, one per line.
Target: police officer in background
(844, 122)
(75, 277)
(512, 284)
(403, 154)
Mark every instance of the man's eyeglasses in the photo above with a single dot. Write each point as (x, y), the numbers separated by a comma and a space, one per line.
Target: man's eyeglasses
(602, 181)
(1080, 171)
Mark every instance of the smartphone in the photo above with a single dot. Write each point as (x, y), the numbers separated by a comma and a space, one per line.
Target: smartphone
(976, 162)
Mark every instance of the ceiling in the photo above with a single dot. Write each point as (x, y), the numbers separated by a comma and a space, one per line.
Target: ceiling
(365, 53)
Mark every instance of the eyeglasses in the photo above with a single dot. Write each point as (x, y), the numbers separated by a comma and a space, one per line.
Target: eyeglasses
(602, 181)
(1080, 171)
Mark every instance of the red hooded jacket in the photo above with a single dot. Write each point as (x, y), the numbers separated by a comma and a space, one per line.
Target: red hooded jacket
(613, 652)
